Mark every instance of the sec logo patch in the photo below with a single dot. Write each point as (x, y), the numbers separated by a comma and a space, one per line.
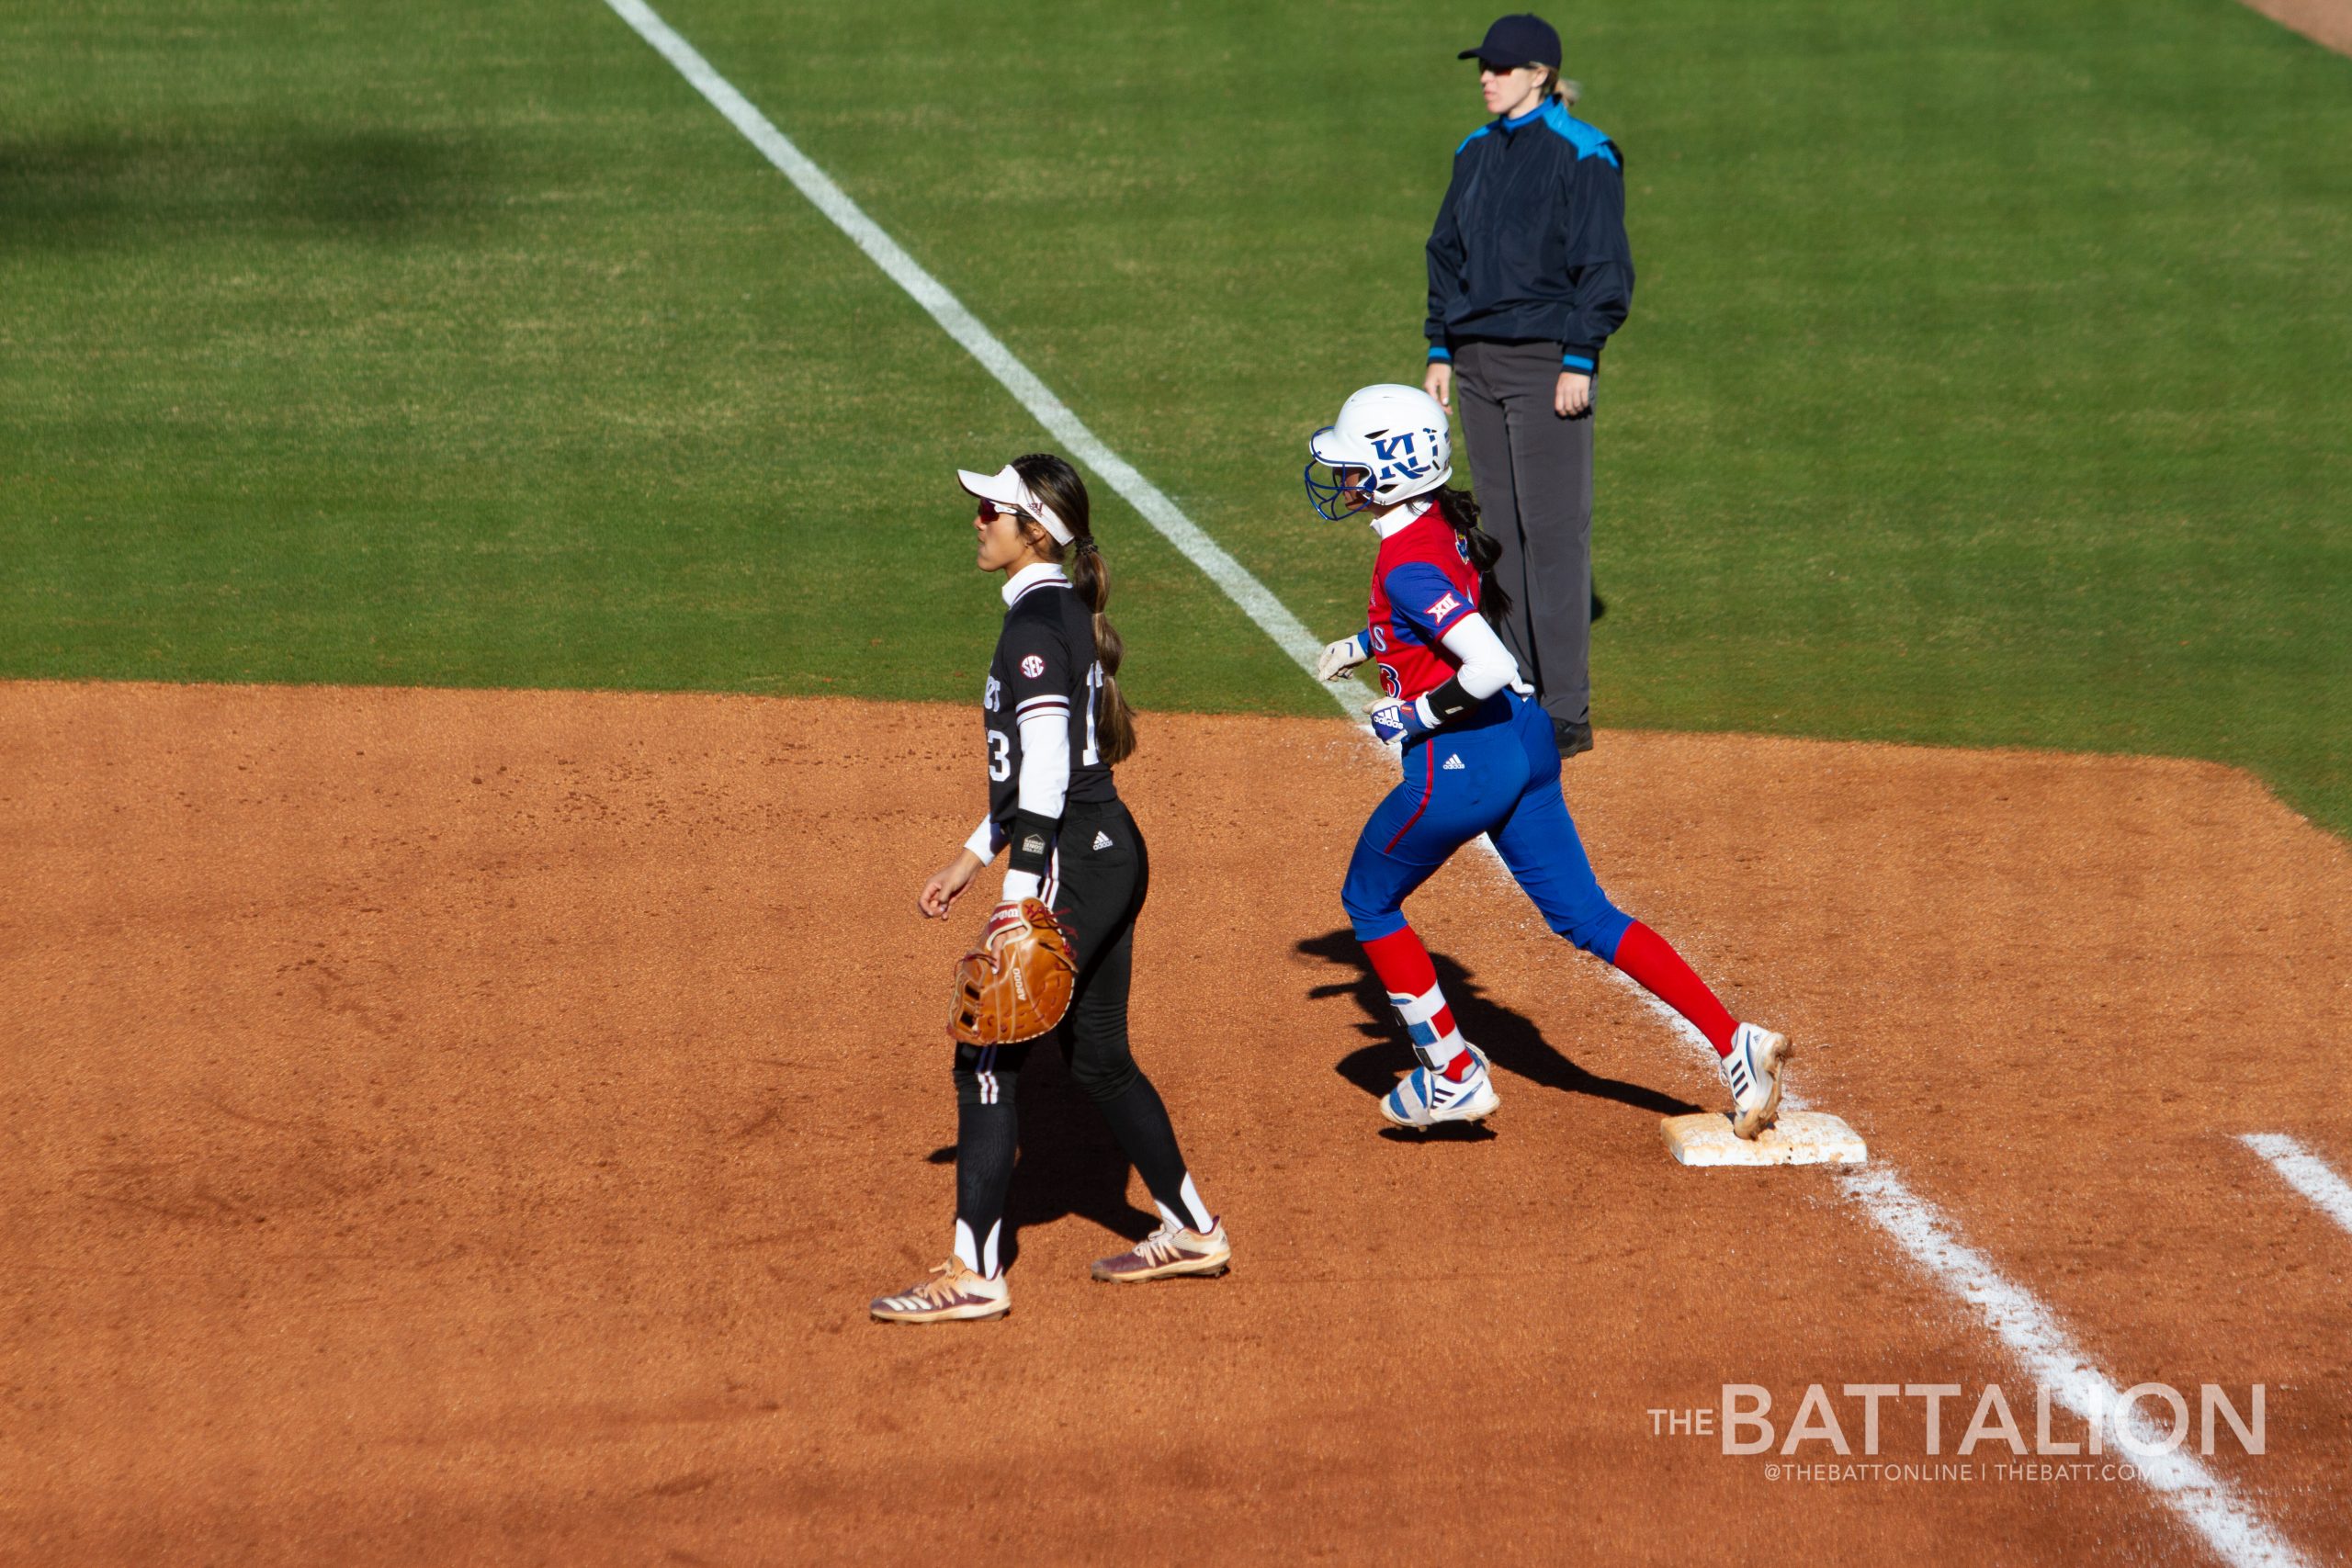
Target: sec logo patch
(1033, 667)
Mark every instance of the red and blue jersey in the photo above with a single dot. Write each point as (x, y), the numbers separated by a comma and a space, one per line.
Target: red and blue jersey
(1423, 584)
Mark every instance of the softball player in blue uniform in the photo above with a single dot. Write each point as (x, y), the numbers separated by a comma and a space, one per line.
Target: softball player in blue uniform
(1480, 757)
(1055, 725)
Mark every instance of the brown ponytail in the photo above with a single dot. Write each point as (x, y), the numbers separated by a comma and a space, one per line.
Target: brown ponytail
(1059, 486)
(1460, 510)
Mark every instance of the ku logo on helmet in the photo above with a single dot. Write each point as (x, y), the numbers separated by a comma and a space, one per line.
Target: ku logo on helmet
(1388, 444)
(1397, 457)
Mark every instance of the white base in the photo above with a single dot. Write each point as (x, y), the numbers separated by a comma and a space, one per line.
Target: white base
(1800, 1137)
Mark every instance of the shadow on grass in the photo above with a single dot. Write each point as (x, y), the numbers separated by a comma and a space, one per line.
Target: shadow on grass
(127, 190)
(1510, 1040)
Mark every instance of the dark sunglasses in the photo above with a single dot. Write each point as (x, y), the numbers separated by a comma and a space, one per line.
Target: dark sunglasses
(991, 512)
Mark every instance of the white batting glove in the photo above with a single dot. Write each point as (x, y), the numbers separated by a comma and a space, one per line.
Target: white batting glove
(1340, 658)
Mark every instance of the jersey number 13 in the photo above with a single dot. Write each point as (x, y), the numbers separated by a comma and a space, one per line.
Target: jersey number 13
(1000, 743)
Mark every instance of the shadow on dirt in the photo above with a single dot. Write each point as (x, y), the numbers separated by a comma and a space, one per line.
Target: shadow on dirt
(1512, 1042)
(1069, 1163)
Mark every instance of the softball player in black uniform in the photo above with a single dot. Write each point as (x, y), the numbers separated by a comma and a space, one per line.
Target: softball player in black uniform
(1055, 724)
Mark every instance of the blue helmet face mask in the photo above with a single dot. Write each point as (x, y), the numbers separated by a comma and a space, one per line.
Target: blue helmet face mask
(1334, 497)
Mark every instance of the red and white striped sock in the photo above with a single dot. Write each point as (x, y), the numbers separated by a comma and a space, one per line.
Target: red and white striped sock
(1404, 966)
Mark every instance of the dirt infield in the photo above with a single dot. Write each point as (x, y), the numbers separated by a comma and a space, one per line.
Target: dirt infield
(463, 1127)
(2325, 22)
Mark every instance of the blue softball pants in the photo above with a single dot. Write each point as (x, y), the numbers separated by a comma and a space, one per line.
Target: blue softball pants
(1496, 772)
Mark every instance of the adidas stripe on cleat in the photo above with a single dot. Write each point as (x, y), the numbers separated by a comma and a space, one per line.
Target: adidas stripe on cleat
(953, 1293)
(1170, 1250)
(1424, 1099)
(1752, 1070)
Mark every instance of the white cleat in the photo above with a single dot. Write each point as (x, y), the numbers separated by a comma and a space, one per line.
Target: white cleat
(1752, 1068)
(953, 1293)
(1170, 1250)
(1424, 1099)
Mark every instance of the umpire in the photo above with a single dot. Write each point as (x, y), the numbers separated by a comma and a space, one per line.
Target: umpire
(1528, 274)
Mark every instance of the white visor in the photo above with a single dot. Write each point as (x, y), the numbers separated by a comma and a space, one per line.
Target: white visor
(1006, 488)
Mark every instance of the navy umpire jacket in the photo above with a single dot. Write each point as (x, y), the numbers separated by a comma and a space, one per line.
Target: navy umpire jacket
(1531, 240)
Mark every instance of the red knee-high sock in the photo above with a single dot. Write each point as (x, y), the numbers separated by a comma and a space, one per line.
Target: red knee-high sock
(1404, 966)
(1644, 955)
(1401, 962)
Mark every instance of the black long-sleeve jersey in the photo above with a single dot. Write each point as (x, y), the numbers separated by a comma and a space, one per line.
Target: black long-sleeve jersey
(1044, 664)
(1530, 242)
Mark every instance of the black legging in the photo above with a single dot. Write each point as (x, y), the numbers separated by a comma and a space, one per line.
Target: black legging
(1102, 874)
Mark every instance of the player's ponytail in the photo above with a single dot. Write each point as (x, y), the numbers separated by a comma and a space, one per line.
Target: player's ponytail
(1059, 486)
(1460, 510)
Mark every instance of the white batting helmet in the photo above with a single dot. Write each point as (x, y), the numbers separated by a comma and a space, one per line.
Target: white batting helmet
(1395, 434)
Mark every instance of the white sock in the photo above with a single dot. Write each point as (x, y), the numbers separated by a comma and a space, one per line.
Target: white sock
(981, 1260)
(1199, 1221)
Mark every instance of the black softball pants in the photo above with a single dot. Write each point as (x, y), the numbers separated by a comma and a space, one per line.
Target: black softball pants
(1100, 876)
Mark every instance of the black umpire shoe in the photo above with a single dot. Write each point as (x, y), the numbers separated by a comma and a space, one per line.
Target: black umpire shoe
(1574, 735)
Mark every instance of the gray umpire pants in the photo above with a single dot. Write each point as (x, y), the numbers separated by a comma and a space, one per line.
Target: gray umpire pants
(1534, 474)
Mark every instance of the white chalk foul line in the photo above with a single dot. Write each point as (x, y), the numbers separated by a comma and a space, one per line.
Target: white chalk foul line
(2306, 1173)
(1930, 1238)
(2205, 1501)
(1271, 614)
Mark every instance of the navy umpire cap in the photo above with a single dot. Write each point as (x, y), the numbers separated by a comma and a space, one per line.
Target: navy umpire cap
(1514, 41)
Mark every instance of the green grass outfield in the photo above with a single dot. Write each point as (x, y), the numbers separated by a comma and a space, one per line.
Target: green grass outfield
(1987, 379)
